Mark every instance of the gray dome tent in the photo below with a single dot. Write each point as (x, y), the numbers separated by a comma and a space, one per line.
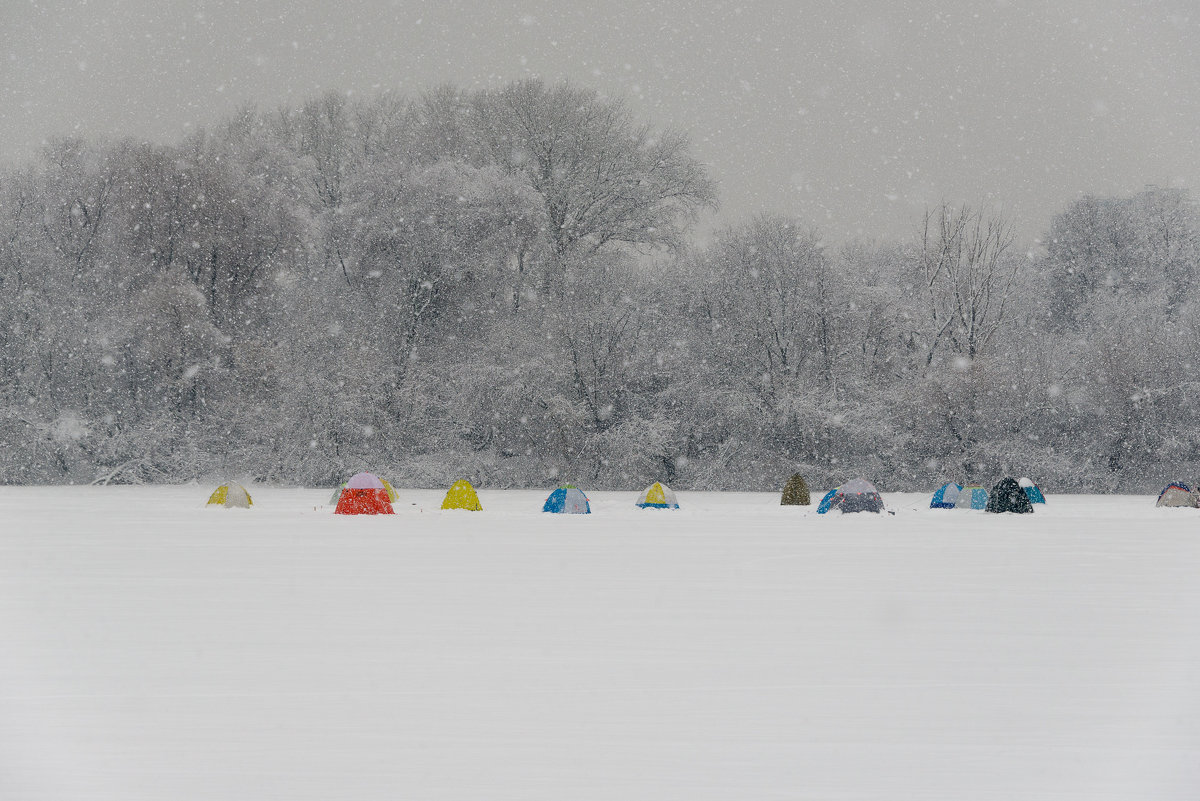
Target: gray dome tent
(857, 495)
(1178, 494)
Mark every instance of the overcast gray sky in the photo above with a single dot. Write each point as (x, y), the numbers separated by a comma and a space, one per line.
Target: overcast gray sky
(851, 115)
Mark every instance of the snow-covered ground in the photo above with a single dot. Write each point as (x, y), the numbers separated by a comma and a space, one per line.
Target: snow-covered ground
(733, 649)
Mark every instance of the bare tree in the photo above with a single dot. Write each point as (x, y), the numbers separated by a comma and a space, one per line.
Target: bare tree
(968, 275)
(600, 329)
(603, 178)
(770, 291)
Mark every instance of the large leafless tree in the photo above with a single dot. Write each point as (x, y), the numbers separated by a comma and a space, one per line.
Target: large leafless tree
(969, 275)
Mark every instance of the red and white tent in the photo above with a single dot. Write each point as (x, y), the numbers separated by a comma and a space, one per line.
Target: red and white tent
(364, 494)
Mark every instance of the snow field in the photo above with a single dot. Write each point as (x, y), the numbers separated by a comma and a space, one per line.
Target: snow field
(732, 649)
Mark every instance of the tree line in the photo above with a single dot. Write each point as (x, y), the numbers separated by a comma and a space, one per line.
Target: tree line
(504, 284)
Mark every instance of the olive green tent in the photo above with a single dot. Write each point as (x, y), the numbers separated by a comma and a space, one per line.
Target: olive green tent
(795, 492)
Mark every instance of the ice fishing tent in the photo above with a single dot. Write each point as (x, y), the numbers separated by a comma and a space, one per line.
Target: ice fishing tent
(1009, 496)
(826, 501)
(462, 496)
(364, 494)
(230, 496)
(972, 497)
(567, 500)
(1032, 490)
(1178, 494)
(795, 492)
(945, 497)
(657, 496)
(858, 495)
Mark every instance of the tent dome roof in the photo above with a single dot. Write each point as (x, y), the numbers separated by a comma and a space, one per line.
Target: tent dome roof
(364, 481)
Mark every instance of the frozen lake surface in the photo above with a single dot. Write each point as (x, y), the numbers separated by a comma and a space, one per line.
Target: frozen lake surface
(734, 649)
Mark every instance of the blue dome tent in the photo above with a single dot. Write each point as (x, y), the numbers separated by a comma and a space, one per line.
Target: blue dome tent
(973, 497)
(1032, 490)
(945, 496)
(568, 500)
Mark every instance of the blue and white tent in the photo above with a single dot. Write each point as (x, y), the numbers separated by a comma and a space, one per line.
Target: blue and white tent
(568, 500)
(972, 497)
(1032, 491)
(945, 497)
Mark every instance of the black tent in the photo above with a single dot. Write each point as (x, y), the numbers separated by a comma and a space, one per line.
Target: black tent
(1009, 496)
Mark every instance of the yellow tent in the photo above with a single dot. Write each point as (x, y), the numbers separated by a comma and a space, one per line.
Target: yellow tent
(229, 496)
(657, 496)
(462, 496)
(392, 496)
